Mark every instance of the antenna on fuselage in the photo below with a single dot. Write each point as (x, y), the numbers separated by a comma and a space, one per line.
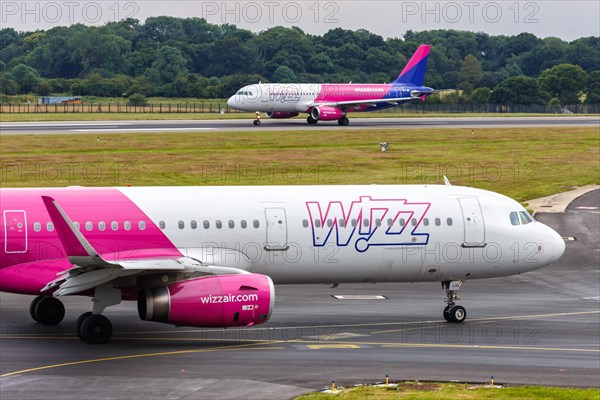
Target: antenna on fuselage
(447, 181)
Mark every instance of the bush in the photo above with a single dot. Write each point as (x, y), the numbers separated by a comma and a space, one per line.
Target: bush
(137, 99)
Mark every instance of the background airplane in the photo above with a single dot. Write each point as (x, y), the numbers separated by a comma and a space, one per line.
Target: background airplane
(209, 256)
(331, 102)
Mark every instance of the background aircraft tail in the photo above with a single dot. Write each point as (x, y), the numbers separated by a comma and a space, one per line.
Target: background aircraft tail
(414, 72)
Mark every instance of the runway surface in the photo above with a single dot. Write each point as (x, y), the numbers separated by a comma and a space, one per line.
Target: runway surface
(91, 127)
(539, 328)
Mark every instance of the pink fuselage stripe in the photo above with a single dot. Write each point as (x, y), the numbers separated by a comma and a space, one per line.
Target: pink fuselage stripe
(29, 271)
(352, 92)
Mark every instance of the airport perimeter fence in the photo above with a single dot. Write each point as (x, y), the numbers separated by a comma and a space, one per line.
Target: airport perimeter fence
(223, 108)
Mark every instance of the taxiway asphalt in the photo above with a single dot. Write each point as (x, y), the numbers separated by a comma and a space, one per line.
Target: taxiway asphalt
(99, 127)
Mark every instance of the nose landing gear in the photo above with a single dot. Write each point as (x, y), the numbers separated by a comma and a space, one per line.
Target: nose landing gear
(257, 120)
(453, 312)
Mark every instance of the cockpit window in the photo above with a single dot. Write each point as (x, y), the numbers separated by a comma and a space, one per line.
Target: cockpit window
(244, 93)
(525, 218)
(514, 218)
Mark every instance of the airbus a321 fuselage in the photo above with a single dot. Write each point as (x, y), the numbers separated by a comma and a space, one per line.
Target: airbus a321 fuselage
(332, 102)
(209, 256)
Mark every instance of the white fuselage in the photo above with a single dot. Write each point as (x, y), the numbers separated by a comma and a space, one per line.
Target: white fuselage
(332, 234)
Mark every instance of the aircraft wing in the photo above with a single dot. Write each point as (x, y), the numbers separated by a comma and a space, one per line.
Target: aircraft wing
(90, 269)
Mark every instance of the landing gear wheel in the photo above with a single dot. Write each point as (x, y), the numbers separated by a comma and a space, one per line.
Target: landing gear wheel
(457, 314)
(80, 320)
(96, 329)
(257, 122)
(446, 313)
(34, 303)
(49, 311)
(311, 120)
(343, 121)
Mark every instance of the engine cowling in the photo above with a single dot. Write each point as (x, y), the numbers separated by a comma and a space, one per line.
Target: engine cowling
(214, 301)
(281, 115)
(326, 113)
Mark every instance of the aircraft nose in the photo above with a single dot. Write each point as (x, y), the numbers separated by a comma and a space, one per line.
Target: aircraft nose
(558, 246)
(231, 101)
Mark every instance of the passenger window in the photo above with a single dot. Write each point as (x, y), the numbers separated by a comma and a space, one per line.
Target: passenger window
(390, 222)
(413, 222)
(365, 222)
(449, 221)
(127, 225)
(244, 224)
(114, 225)
(219, 224)
(305, 223)
(354, 222)
(37, 227)
(102, 225)
(525, 218)
(162, 225)
(329, 223)
(256, 224)
(426, 221)
(142, 225)
(193, 224)
(378, 221)
(438, 222)
(206, 224)
(231, 224)
(180, 224)
(341, 223)
(514, 218)
(402, 222)
(49, 226)
(89, 226)
(76, 225)
(317, 223)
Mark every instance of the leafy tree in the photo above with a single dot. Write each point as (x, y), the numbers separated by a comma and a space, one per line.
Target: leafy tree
(565, 81)
(517, 90)
(169, 63)
(593, 88)
(321, 63)
(284, 74)
(481, 95)
(471, 70)
(25, 76)
(44, 88)
(8, 86)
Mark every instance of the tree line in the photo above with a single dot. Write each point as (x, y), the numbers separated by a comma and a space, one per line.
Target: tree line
(189, 57)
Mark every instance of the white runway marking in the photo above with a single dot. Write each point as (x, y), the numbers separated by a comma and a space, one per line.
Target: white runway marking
(166, 129)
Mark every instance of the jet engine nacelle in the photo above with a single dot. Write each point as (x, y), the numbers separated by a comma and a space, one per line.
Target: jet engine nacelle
(214, 301)
(281, 114)
(326, 113)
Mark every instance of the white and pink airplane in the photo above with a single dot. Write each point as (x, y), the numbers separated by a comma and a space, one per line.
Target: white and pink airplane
(209, 256)
(331, 102)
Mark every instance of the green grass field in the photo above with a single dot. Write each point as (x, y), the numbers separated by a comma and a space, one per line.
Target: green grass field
(453, 391)
(521, 163)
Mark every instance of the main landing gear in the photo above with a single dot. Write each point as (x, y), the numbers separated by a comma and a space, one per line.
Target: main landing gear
(453, 312)
(344, 121)
(47, 310)
(92, 327)
(311, 120)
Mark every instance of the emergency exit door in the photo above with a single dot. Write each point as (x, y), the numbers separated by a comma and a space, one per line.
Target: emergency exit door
(15, 231)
